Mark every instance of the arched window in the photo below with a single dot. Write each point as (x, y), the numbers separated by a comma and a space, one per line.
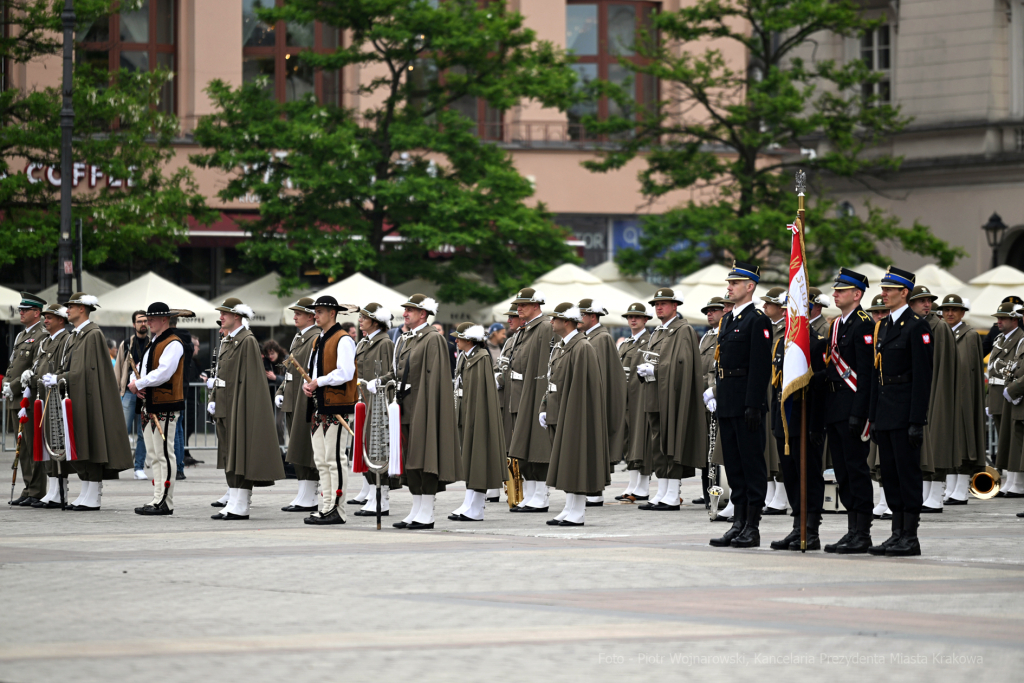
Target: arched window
(273, 51)
(141, 39)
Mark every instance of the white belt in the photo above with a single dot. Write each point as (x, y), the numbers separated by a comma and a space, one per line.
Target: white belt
(219, 383)
(626, 368)
(552, 387)
(515, 375)
(287, 377)
(459, 391)
(996, 382)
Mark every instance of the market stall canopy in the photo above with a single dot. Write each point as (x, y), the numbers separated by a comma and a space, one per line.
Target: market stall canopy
(988, 290)
(571, 283)
(447, 314)
(634, 285)
(713, 275)
(9, 301)
(697, 288)
(259, 296)
(356, 289)
(90, 283)
(940, 281)
(117, 306)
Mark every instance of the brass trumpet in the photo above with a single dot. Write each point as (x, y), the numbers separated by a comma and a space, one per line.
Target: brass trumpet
(985, 484)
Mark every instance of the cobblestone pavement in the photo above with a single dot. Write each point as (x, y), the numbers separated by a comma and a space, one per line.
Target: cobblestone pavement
(111, 596)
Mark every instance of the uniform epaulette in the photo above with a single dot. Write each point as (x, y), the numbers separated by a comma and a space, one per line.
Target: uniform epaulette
(863, 316)
(758, 311)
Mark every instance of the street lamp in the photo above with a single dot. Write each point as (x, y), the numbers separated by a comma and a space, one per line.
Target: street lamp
(995, 230)
(65, 267)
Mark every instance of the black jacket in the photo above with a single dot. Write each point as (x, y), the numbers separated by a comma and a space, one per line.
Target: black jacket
(902, 383)
(855, 345)
(815, 404)
(744, 362)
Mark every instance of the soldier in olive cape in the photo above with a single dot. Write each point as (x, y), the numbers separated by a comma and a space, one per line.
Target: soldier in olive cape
(815, 318)
(481, 434)
(374, 348)
(247, 447)
(613, 378)
(1005, 349)
(1011, 458)
(101, 438)
(17, 390)
(430, 446)
(638, 315)
(942, 432)
(291, 400)
(672, 399)
(970, 399)
(502, 381)
(714, 309)
(55, 320)
(575, 403)
(527, 371)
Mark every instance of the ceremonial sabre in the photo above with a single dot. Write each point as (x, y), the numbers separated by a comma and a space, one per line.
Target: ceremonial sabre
(715, 491)
(14, 465)
(378, 456)
(305, 376)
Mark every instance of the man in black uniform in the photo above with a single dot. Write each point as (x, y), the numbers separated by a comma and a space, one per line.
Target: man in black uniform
(847, 395)
(790, 462)
(899, 410)
(744, 372)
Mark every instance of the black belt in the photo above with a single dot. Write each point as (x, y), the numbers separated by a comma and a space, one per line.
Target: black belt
(896, 379)
(835, 386)
(736, 372)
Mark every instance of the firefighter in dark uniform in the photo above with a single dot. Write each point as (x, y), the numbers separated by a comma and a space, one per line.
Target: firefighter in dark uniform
(898, 411)
(850, 353)
(790, 462)
(744, 372)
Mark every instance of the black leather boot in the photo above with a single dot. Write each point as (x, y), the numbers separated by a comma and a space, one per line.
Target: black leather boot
(908, 545)
(750, 537)
(813, 539)
(860, 542)
(739, 520)
(897, 531)
(851, 527)
(793, 535)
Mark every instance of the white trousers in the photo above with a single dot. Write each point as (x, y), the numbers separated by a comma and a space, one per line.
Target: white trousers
(330, 453)
(160, 459)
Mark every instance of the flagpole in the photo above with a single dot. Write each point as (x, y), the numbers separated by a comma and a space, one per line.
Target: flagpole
(800, 187)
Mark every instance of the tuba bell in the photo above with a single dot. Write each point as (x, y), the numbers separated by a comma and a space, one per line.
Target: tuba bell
(985, 484)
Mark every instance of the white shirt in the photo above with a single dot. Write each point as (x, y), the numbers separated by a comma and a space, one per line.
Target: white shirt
(592, 329)
(236, 331)
(346, 369)
(164, 370)
(845, 316)
(637, 335)
(57, 333)
(369, 336)
(736, 310)
(79, 328)
(664, 326)
(958, 325)
(530, 320)
(566, 338)
(419, 328)
(306, 329)
(815, 318)
(32, 326)
(895, 315)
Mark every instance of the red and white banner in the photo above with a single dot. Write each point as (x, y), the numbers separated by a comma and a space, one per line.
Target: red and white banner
(796, 367)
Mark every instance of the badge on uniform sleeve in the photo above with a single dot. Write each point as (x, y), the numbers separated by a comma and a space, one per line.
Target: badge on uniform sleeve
(868, 339)
(926, 338)
(766, 335)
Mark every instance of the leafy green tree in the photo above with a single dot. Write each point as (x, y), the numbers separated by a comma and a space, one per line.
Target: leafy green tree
(731, 136)
(118, 129)
(382, 188)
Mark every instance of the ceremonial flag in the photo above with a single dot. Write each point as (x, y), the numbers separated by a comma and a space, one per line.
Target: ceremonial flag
(796, 366)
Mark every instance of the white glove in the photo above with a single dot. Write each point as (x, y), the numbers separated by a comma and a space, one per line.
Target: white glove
(645, 370)
(543, 419)
(49, 380)
(26, 377)
(987, 413)
(211, 408)
(371, 386)
(709, 395)
(27, 393)
(22, 413)
(1006, 395)
(209, 383)
(7, 393)
(712, 405)
(278, 401)
(497, 380)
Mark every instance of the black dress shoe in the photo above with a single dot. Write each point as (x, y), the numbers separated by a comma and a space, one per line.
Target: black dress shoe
(720, 518)
(463, 518)
(635, 498)
(370, 513)
(83, 508)
(232, 515)
(417, 526)
(29, 501)
(955, 501)
(699, 501)
(16, 501)
(624, 496)
(151, 510)
(492, 500)
(566, 522)
(887, 515)
(783, 544)
(190, 461)
(527, 508)
(1011, 494)
(595, 504)
(332, 517)
(217, 504)
(180, 476)
(1001, 494)
(774, 511)
(646, 506)
(219, 515)
(355, 502)
(661, 507)
(48, 505)
(298, 508)
(399, 525)
(930, 510)
(556, 522)
(1020, 514)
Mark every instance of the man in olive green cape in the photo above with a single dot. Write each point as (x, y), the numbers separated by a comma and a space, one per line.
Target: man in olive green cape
(247, 447)
(101, 438)
(575, 402)
(292, 401)
(634, 439)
